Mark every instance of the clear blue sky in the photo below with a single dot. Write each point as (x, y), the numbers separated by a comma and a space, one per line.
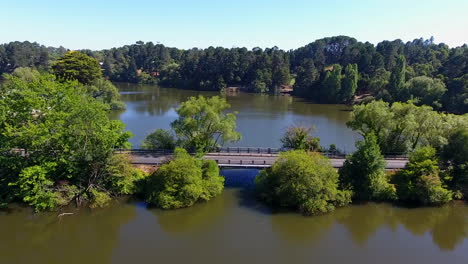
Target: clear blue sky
(288, 24)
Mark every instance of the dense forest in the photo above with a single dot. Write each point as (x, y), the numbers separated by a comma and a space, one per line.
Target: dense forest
(330, 70)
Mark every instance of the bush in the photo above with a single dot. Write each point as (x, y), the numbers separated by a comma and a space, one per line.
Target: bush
(364, 172)
(419, 181)
(122, 177)
(300, 138)
(306, 182)
(183, 181)
(160, 139)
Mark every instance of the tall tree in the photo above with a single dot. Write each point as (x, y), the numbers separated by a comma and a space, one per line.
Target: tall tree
(349, 83)
(77, 66)
(398, 79)
(203, 124)
(364, 172)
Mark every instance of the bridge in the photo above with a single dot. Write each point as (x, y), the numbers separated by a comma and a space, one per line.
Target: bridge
(242, 157)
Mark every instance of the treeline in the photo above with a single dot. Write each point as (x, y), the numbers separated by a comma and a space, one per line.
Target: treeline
(329, 70)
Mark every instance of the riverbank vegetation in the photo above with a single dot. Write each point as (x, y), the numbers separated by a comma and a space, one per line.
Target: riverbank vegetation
(183, 181)
(303, 181)
(202, 126)
(436, 143)
(57, 145)
(329, 70)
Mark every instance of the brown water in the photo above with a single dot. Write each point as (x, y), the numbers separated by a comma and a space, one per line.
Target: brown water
(261, 119)
(233, 228)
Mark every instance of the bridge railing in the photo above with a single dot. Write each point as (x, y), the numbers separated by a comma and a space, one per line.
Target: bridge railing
(255, 150)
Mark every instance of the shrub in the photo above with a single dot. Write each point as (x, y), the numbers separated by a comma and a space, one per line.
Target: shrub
(419, 181)
(303, 181)
(160, 139)
(183, 181)
(364, 172)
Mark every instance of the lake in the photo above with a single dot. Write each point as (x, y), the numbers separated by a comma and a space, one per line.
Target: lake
(261, 119)
(235, 228)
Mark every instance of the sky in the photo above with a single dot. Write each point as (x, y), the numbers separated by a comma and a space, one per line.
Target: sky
(288, 24)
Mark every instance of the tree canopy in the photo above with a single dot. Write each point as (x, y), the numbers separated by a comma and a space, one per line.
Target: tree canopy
(203, 124)
(302, 181)
(184, 181)
(385, 70)
(364, 172)
(57, 144)
(75, 65)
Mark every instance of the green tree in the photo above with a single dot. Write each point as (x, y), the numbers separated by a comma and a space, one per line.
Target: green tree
(331, 84)
(301, 181)
(455, 157)
(55, 123)
(203, 124)
(77, 66)
(364, 172)
(425, 90)
(419, 181)
(398, 79)
(183, 182)
(160, 139)
(105, 91)
(349, 83)
(300, 138)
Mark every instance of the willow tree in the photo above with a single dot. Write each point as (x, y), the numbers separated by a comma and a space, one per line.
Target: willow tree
(203, 124)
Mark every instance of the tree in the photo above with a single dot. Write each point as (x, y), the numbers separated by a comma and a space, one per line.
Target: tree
(364, 172)
(302, 181)
(105, 91)
(299, 138)
(183, 182)
(349, 83)
(403, 127)
(425, 90)
(77, 66)
(160, 139)
(455, 157)
(64, 142)
(398, 79)
(202, 124)
(419, 181)
(331, 84)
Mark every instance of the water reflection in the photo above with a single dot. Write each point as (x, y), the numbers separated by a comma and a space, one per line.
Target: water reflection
(261, 118)
(44, 238)
(235, 228)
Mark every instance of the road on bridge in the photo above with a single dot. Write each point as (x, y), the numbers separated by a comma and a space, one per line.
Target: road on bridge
(244, 160)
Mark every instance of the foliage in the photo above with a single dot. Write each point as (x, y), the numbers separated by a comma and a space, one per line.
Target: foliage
(25, 73)
(35, 187)
(183, 182)
(425, 90)
(384, 68)
(419, 181)
(349, 83)
(364, 172)
(106, 92)
(75, 65)
(160, 139)
(299, 138)
(455, 157)
(302, 181)
(202, 124)
(403, 127)
(56, 143)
